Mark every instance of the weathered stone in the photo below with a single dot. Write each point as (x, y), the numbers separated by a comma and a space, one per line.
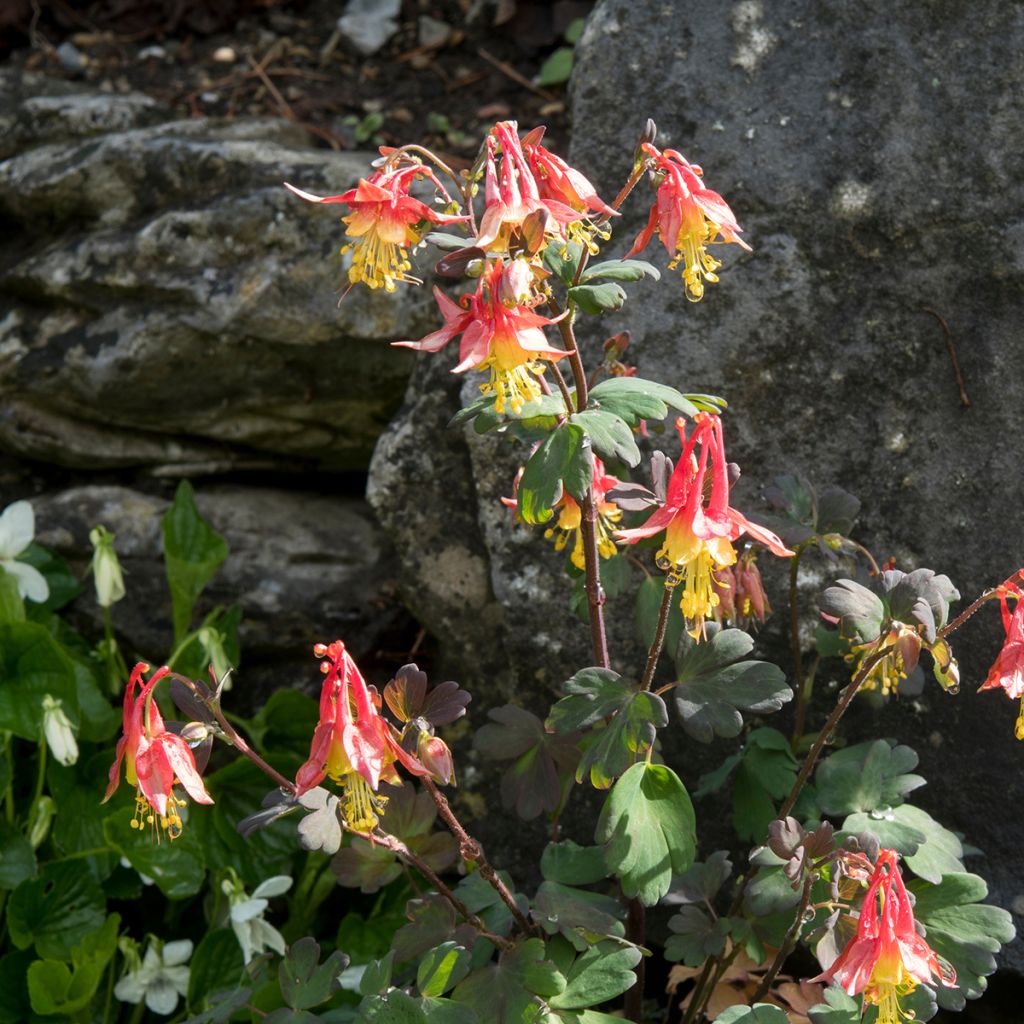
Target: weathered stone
(851, 143)
(305, 568)
(168, 304)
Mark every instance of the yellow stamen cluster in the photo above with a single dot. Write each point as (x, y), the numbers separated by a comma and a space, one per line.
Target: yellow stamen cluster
(568, 525)
(699, 597)
(698, 264)
(360, 806)
(379, 263)
(886, 996)
(585, 232)
(513, 386)
(1018, 729)
(170, 822)
(885, 675)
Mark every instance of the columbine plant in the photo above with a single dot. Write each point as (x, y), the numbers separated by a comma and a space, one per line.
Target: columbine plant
(842, 862)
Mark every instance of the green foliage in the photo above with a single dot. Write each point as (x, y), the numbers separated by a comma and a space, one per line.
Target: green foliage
(305, 982)
(620, 270)
(512, 989)
(648, 829)
(865, 777)
(759, 1013)
(33, 664)
(193, 552)
(562, 456)
(609, 434)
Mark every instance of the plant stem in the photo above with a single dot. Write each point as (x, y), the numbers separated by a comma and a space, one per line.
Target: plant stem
(708, 982)
(471, 849)
(40, 777)
(659, 634)
(1015, 580)
(788, 944)
(396, 845)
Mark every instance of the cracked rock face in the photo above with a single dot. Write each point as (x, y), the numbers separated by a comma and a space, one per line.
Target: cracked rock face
(167, 304)
(872, 155)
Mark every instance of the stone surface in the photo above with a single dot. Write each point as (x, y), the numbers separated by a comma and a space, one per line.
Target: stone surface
(167, 304)
(304, 567)
(872, 155)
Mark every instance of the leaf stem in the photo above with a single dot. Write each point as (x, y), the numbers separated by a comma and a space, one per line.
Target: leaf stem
(788, 944)
(471, 849)
(659, 633)
(951, 627)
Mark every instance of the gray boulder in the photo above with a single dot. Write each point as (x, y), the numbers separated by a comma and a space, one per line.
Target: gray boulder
(167, 304)
(871, 153)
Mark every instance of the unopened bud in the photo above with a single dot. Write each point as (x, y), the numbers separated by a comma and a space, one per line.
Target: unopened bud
(106, 569)
(516, 283)
(460, 263)
(647, 137)
(60, 736)
(945, 667)
(193, 733)
(40, 819)
(434, 755)
(212, 642)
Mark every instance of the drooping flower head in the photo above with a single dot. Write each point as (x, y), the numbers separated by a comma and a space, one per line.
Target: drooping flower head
(500, 333)
(155, 760)
(570, 518)
(558, 182)
(699, 524)
(887, 959)
(687, 217)
(352, 743)
(512, 193)
(1007, 672)
(385, 223)
(740, 590)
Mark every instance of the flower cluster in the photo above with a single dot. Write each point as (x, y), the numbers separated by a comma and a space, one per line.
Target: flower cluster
(887, 958)
(699, 523)
(155, 759)
(570, 516)
(1007, 672)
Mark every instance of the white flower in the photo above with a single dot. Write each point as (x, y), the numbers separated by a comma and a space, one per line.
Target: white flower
(160, 979)
(17, 528)
(253, 933)
(106, 569)
(60, 737)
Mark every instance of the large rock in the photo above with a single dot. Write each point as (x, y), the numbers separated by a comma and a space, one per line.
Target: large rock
(872, 154)
(167, 304)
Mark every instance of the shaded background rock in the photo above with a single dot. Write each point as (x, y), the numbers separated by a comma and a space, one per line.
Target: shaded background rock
(877, 172)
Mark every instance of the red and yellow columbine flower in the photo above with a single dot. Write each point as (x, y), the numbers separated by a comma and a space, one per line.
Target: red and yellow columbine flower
(687, 217)
(155, 760)
(500, 333)
(1007, 672)
(385, 223)
(887, 959)
(513, 194)
(741, 596)
(352, 743)
(570, 517)
(700, 529)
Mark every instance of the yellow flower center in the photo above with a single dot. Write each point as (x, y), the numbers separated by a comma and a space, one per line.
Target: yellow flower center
(378, 262)
(170, 823)
(1018, 729)
(511, 386)
(886, 996)
(568, 525)
(698, 264)
(360, 806)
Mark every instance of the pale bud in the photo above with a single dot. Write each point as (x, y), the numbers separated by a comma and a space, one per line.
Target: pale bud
(516, 283)
(60, 736)
(434, 755)
(40, 819)
(106, 569)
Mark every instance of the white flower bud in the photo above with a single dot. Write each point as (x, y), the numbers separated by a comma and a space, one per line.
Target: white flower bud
(60, 736)
(106, 569)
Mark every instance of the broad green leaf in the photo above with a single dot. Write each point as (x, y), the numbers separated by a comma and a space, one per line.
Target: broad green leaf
(562, 259)
(631, 732)
(63, 584)
(963, 930)
(511, 991)
(216, 964)
(32, 664)
(620, 270)
(601, 973)
(376, 978)
(866, 777)
(17, 858)
(441, 969)
(397, 1007)
(770, 891)
(838, 1008)
(578, 916)
(648, 830)
(54, 988)
(557, 68)
(703, 880)
(860, 611)
(55, 911)
(592, 694)
(177, 868)
(765, 775)
(193, 552)
(930, 850)
(447, 1011)
(571, 864)
(759, 1013)
(597, 298)
(12, 605)
(305, 982)
(431, 922)
(715, 685)
(365, 866)
(609, 434)
(695, 936)
(14, 1006)
(636, 399)
(561, 453)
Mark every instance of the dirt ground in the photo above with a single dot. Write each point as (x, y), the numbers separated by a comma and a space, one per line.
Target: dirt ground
(450, 70)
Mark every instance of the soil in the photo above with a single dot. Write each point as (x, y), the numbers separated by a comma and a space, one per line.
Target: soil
(450, 70)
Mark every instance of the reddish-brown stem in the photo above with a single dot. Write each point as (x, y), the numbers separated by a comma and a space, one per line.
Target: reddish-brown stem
(788, 944)
(471, 849)
(232, 736)
(396, 846)
(659, 636)
(1015, 580)
(795, 651)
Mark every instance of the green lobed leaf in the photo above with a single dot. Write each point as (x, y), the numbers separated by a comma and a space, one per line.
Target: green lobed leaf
(860, 611)
(511, 991)
(216, 964)
(33, 664)
(17, 858)
(759, 1013)
(592, 694)
(562, 259)
(695, 936)
(715, 685)
(193, 552)
(63, 584)
(620, 270)
(571, 864)
(396, 1007)
(305, 982)
(866, 777)
(929, 848)
(579, 916)
(12, 605)
(838, 1008)
(442, 968)
(540, 487)
(648, 829)
(609, 434)
(599, 974)
(630, 733)
(598, 298)
(178, 868)
(770, 891)
(636, 399)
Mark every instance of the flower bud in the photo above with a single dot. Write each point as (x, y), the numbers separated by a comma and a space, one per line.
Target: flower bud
(516, 283)
(945, 667)
(60, 736)
(212, 642)
(434, 755)
(40, 819)
(106, 569)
